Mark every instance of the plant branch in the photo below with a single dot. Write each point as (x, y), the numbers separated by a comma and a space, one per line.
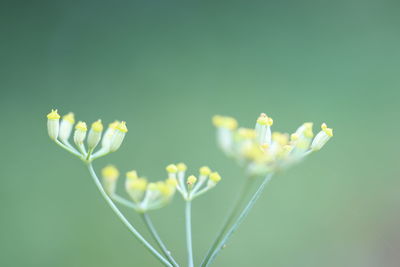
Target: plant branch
(157, 238)
(188, 215)
(241, 217)
(234, 212)
(124, 220)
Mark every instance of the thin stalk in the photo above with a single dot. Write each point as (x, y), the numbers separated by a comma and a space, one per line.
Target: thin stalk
(188, 215)
(124, 220)
(70, 149)
(123, 201)
(240, 219)
(157, 238)
(234, 212)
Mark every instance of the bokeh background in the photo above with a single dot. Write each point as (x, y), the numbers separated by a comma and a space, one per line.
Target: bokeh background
(166, 67)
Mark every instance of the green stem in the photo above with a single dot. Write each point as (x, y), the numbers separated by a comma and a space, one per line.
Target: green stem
(70, 149)
(240, 219)
(235, 210)
(188, 215)
(157, 238)
(124, 220)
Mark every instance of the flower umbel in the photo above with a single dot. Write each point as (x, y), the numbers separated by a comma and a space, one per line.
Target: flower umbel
(61, 132)
(145, 196)
(262, 151)
(192, 187)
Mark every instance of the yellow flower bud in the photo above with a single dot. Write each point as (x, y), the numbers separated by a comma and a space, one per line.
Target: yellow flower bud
(215, 177)
(172, 168)
(110, 175)
(131, 175)
(110, 172)
(191, 180)
(66, 126)
(181, 167)
(205, 171)
(80, 133)
(53, 124)
(53, 115)
(95, 134)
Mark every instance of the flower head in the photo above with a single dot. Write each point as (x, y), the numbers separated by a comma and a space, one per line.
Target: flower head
(60, 132)
(261, 150)
(192, 186)
(149, 196)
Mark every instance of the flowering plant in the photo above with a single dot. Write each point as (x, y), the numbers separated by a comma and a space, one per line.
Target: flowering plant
(259, 151)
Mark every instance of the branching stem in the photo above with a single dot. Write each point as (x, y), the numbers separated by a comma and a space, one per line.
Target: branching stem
(157, 238)
(124, 220)
(188, 215)
(240, 219)
(234, 212)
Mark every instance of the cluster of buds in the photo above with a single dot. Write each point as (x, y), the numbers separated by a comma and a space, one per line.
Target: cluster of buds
(260, 150)
(60, 132)
(145, 195)
(192, 187)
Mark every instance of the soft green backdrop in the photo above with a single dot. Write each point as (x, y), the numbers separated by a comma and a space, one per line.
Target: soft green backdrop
(166, 67)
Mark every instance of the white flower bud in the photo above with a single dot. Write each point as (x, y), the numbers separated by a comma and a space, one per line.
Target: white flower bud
(136, 188)
(108, 136)
(322, 137)
(94, 136)
(80, 133)
(53, 124)
(110, 175)
(118, 136)
(263, 129)
(66, 126)
(225, 127)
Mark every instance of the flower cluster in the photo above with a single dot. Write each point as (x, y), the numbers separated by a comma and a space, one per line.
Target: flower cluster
(260, 150)
(145, 196)
(191, 187)
(60, 132)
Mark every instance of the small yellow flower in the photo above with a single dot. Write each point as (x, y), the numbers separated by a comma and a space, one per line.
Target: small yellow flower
(181, 167)
(139, 184)
(215, 177)
(263, 119)
(110, 172)
(191, 180)
(97, 126)
(81, 126)
(225, 122)
(53, 115)
(70, 117)
(122, 127)
(327, 130)
(132, 175)
(205, 171)
(172, 168)
(114, 125)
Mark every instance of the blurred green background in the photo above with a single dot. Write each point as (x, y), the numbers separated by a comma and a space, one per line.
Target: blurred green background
(166, 67)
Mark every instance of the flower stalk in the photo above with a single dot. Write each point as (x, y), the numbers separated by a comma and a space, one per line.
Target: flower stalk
(157, 238)
(233, 213)
(188, 220)
(239, 220)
